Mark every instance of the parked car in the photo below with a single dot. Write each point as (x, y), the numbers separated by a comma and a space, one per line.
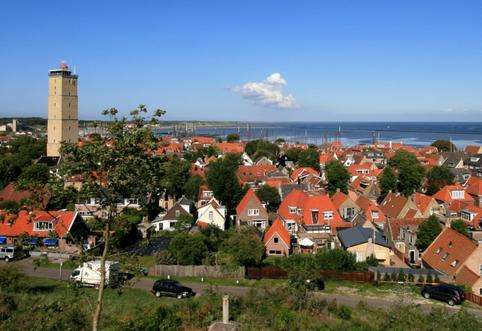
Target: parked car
(453, 295)
(8, 253)
(172, 288)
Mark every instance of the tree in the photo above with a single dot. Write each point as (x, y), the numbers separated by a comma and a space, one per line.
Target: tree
(338, 177)
(222, 179)
(35, 175)
(459, 226)
(175, 175)
(293, 154)
(410, 172)
(387, 181)
(243, 247)
(184, 223)
(427, 232)
(309, 158)
(125, 228)
(270, 196)
(444, 145)
(258, 148)
(114, 166)
(232, 137)
(188, 249)
(438, 177)
(191, 188)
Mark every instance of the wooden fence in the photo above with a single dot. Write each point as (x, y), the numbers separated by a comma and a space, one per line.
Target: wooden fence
(477, 299)
(278, 273)
(196, 271)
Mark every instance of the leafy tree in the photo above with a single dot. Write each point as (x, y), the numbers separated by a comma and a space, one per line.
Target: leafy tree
(232, 137)
(444, 145)
(191, 188)
(175, 176)
(293, 154)
(309, 158)
(338, 177)
(459, 226)
(126, 232)
(184, 223)
(114, 166)
(335, 259)
(188, 249)
(258, 148)
(243, 247)
(427, 232)
(387, 181)
(410, 172)
(222, 179)
(270, 196)
(438, 177)
(35, 175)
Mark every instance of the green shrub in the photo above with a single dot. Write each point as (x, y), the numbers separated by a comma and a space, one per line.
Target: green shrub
(344, 312)
(7, 306)
(421, 279)
(401, 276)
(11, 278)
(411, 278)
(333, 306)
(429, 278)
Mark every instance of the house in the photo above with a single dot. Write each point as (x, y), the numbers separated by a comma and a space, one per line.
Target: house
(277, 240)
(251, 211)
(212, 213)
(205, 195)
(453, 159)
(367, 186)
(473, 149)
(347, 208)
(474, 164)
(263, 160)
(300, 173)
(65, 228)
(254, 175)
(364, 242)
(403, 236)
(372, 211)
(92, 207)
(472, 216)
(425, 204)
(230, 147)
(474, 188)
(456, 256)
(397, 206)
(452, 196)
(166, 221)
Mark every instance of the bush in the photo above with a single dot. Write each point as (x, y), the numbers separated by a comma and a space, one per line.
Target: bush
(401, 276)
(7, 306)
(344, 312)
(411, 278)
(393, 277)
(429, 278)
(421, 279)
(11, 278)
(333, 306)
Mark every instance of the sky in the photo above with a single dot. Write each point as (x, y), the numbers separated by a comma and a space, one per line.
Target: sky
(249, 60)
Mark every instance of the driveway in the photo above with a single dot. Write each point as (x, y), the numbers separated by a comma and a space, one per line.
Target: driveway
(345, 299)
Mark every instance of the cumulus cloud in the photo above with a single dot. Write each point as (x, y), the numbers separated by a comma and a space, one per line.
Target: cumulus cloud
(268, 93)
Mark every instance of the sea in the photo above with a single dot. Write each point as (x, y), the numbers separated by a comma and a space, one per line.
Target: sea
(352, 133)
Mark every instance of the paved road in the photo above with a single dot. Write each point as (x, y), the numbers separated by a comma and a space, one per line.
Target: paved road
(348, 300)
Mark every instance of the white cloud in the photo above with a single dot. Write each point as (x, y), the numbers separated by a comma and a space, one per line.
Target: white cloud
(268, 93)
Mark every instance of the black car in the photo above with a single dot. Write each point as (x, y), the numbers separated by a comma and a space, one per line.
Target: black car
(172, 288)
(451, 294)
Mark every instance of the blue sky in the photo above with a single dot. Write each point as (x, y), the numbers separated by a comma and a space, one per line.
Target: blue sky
(210, 60)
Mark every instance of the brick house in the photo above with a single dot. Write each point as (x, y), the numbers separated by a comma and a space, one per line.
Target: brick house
(277, 240)
(251, 211)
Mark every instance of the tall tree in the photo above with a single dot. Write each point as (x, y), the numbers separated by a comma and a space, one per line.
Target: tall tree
(191, 188)
(232, 137)
(410, 172)
(309, 158)
(438, 177)
(444, 145)
(270, 196)
(427, 232)
(337, 176)
(112, 167)
(222, 179)
(387, 181)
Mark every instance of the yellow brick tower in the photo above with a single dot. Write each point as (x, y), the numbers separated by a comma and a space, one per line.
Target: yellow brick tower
(63, 108)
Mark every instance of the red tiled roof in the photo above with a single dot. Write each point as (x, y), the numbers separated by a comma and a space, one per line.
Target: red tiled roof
(278, 228)
(231, 147)
(444, 194)
(23, 222)
(474, 186)
(303, 171)
(393, 204)
(396, 224)
(422, 201)
(368, 207)
(10, 193)
(249, 174)
(338, 198)
(276, 182)
(203, 140)
(448, 247)
(293, 199)
(249, 196)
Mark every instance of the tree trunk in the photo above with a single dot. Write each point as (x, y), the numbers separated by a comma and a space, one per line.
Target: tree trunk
(100, 298)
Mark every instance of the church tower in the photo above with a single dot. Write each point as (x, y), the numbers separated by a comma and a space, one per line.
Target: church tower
(62, 123)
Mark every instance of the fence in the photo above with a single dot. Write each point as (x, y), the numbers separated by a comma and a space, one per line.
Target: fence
(196, 271)
(277, 273)
(474, 298)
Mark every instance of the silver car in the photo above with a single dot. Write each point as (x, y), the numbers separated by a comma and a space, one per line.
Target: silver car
(7, 253)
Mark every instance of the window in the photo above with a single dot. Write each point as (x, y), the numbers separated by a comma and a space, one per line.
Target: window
(178, 213)
(450, 244)
(375, 214)
(454, 263)
(253, 212)
(43, 226)
(438, 250)
(445, 256)
(457, 194)
(211, 215)
(292, 210)
(328, 215)
(350, 212)
(314, 216)
(275, 240)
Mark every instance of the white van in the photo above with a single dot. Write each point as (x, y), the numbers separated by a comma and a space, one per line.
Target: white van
(88, 274)
(8, 253)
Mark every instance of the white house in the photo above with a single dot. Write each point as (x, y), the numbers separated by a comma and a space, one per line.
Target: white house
(212, 213)
(166, 221)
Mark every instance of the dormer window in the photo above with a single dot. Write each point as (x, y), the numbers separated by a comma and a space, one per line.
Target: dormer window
(445, 256)
(178, 213)
(450, 244)
(253, 212)
(438, 250)
(43, 226)
(292, 210)
(211, 215)
(375, 214)
(454, 263)
(328, 215)
(459, 194)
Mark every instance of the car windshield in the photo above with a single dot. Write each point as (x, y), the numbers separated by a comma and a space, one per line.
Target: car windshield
(76, 273)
